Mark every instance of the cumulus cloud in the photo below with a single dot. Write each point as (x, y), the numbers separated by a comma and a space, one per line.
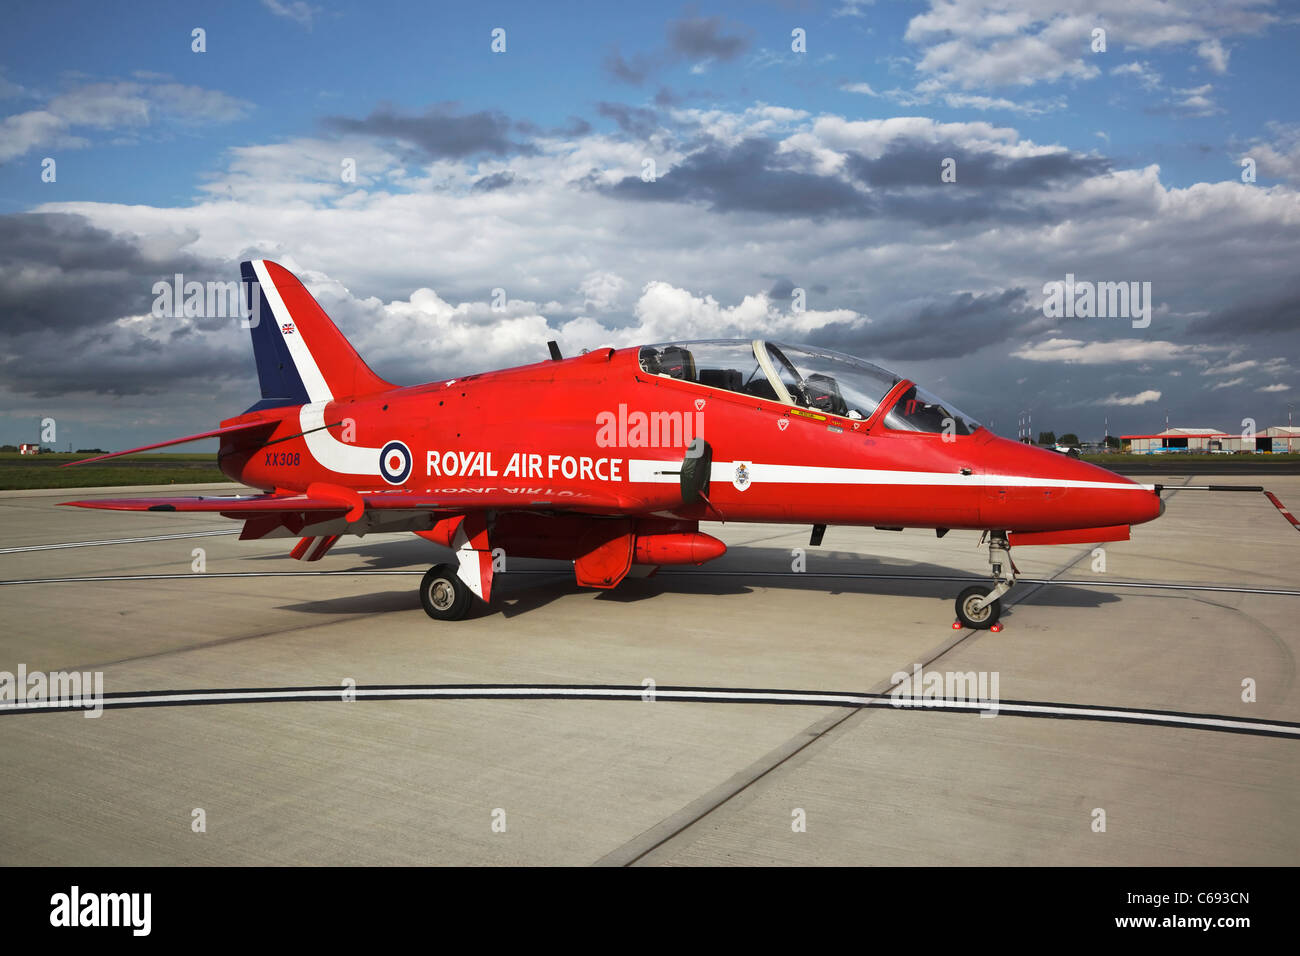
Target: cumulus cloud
(1214, 54)
(752, 204)
(601, 291)
(988, 43)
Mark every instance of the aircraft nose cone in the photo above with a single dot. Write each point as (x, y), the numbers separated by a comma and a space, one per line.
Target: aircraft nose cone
(1072, 493)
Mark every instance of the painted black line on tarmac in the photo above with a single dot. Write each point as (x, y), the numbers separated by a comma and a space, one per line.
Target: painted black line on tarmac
(614, 692)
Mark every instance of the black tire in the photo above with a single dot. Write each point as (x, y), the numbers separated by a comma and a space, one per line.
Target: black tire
(981, 620)
(444, 595)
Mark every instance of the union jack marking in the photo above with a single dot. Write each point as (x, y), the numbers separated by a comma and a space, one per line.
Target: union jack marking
(287, 328)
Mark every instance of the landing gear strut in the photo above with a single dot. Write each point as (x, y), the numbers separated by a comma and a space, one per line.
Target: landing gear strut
(444, 595)
(979, 607)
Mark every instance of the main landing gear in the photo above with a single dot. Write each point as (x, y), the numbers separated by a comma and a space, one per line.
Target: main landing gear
(979, 607)
(444, 595)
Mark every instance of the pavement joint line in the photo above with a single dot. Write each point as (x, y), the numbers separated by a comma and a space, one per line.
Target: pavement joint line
(107, 541)
(350, 618)
(652, 842)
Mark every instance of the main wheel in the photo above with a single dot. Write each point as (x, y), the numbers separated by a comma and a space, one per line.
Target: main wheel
(970, 615)
(444, 595)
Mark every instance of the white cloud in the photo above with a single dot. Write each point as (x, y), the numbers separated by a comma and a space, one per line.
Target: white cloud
(1079, 352)
(600, 291)
(116, 105)
(982, 43)
(1196, 101)
(588, 268)
(1141, 398)
(1278, 156)
(730, 128)
(1214, 54)
(977, 102)
(666, 313)
(23, 132)
(1277, 387)
(1245, 365)
(1141, 71)
(296, 10)
(852, 8)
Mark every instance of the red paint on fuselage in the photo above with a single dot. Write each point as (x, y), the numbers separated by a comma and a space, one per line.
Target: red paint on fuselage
(813, 469)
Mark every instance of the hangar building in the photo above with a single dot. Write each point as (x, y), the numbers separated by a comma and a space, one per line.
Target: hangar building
(1277, 439)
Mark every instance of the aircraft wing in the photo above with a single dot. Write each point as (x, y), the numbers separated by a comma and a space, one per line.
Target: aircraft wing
(336, 498)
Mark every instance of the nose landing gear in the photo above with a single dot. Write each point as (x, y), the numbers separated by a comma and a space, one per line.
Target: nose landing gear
(980, 607)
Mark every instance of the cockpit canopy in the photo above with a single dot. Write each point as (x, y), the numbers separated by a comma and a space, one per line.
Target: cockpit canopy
(818, 379)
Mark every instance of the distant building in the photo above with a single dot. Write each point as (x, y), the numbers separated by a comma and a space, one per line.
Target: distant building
(1194, 440)
(1284, 438)
(27, 448)
(1208, 441)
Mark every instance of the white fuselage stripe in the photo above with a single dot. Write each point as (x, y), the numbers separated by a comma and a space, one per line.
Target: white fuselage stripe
(666, 472)
(335, 455)
(318, 389)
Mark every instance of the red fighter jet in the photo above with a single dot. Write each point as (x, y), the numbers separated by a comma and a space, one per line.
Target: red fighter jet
(611, 459)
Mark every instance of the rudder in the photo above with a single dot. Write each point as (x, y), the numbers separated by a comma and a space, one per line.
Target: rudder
(301, 355)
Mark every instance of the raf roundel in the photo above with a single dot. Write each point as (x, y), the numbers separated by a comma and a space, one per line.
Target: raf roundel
(395, 462)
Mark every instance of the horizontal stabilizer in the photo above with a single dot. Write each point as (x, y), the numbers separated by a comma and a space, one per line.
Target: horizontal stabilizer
(215, 433)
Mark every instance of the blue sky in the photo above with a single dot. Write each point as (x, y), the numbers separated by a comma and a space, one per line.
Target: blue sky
(349, 57)
(778, 169)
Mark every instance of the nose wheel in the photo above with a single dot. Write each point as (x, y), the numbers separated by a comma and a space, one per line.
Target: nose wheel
(976, 612)
(980, 607)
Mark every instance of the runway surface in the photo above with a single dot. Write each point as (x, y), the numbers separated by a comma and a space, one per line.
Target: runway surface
(341, 738)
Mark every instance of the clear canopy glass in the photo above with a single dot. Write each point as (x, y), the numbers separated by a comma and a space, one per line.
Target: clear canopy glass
(819, 379)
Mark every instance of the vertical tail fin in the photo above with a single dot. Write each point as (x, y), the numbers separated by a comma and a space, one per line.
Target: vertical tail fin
(301, 356)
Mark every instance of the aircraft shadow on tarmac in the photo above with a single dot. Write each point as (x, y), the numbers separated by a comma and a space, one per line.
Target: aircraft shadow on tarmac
(547, 581)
